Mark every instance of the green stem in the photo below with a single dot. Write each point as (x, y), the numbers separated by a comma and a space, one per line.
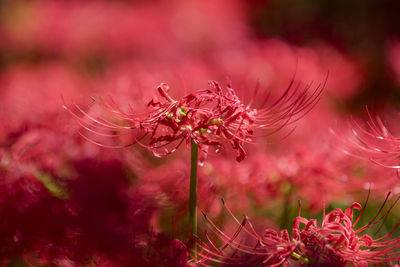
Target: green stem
(193, 192)
(287, 189)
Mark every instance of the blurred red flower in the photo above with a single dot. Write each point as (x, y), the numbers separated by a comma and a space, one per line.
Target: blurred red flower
(374, 141)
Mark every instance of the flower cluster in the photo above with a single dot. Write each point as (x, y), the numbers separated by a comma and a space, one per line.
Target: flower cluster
(336, 242)
(124, 207)
(208, 117)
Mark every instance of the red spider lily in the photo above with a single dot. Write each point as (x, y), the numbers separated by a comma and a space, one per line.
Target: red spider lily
(374, 142)
(336, 242)
(269, 249)
(209, 117)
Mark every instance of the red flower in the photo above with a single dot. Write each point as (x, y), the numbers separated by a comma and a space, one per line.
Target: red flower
(374, 142)
(270, 249)
(336, 242)
(209, 117)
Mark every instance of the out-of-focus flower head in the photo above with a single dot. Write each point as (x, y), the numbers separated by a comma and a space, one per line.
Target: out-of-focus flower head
(272, 62)
(374, 141)
(209, 117)
(336, 242)
(31, 97)
(319, 173)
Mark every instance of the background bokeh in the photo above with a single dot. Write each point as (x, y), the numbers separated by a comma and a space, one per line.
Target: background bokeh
(67, 202)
